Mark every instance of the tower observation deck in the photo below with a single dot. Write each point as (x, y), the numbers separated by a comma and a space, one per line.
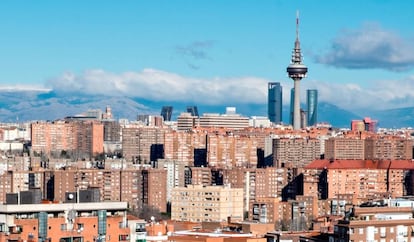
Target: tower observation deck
(296, 71)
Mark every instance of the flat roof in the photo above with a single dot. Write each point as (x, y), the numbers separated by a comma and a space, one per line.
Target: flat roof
(60, 207)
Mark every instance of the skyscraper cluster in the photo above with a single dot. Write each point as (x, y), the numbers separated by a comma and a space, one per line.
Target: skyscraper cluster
(309, 116)
(298, 118)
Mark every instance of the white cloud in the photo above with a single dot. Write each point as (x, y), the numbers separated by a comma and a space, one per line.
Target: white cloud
(385, 94)
(24, 88)
(370, 47)
(160, 85)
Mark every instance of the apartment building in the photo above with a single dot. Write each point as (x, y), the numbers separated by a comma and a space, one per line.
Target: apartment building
(344, 148)
(295, 152)
(143, 144)
(228, 151)
(388, 148)
(154, 189)
(201, 176)
(137, 187)
(96, 221)
(196, 203)
(81, 139)
(376, 224)
(365, 179)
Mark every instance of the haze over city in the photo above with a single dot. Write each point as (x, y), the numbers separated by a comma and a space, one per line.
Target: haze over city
(210, 52)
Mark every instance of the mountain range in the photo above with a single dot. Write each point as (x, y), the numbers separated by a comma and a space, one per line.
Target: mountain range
(28, 105)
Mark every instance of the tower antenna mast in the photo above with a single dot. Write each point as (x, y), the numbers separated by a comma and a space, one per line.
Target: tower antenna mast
(296, 71)
(297, 24)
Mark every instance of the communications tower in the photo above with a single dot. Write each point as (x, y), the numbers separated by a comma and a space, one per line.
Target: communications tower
(296, 71)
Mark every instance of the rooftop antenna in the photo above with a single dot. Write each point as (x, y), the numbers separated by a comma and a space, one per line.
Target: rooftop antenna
(297, 25)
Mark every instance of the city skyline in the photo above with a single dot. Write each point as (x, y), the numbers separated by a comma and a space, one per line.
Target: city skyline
(210, 52)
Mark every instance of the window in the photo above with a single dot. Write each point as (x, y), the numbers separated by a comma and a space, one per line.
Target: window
(63, 227)
(124, 237)
(80, 227)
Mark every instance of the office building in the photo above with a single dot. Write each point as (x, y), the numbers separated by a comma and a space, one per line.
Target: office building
(303, 119)
(312, 105)
(274, 102)
(187, 121)
(193, 110)
(296, 71)
(292, 98)
(230, 120)
(166, 113)
(150, 120)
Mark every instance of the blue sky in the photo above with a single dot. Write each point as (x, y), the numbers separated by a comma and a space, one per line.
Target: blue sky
(360, 54)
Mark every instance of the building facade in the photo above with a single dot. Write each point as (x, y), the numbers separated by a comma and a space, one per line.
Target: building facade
(197, 203)
(312, 105)
(274, 102)
(64, 222)
(166, 112)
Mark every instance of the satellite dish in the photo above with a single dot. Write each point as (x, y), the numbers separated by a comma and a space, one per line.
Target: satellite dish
(71, 196)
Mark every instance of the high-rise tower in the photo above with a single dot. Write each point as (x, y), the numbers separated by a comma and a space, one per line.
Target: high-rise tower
(166, 112)
(296, 71)
(312, 105)
(274, 102)
(193, 110)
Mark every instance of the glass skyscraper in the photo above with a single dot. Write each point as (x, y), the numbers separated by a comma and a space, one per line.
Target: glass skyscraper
(312, 105)
(193, 110)
(274, 102)
(166, 112)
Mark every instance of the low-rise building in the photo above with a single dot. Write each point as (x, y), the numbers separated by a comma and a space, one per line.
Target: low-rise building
(96, 221)
(376, 224)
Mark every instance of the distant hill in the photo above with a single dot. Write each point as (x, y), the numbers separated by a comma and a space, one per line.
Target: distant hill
(394, 118)
(25, 106)
(38, 105)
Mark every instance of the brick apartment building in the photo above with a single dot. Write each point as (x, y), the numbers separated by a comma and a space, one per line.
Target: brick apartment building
(143, 144)
(137, 187)
(295, 152)
(341, 148)
(228, 151)
(376, 224)
(81, 139)
(364, 179)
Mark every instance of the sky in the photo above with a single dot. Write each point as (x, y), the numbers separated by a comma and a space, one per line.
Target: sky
(360, 54)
